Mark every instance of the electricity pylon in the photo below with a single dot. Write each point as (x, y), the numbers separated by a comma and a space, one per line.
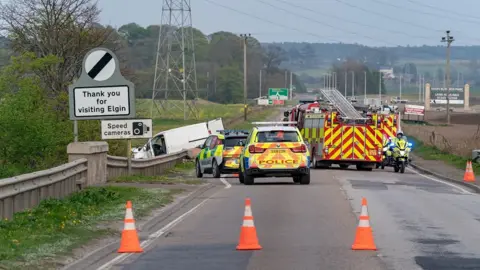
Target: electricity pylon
(175, 72)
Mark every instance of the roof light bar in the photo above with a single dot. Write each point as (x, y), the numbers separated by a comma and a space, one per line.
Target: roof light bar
(274, 123)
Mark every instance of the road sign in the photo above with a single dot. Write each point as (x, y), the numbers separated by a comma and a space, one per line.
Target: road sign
(101, 92)
(127, 129)
(278, 93)
(100, 65)
(439, 95)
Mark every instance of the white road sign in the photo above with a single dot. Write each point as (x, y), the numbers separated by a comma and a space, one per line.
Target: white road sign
(101, 101)
(127, 129)
(100, 65)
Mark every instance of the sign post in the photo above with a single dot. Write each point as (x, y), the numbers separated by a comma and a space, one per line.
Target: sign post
(278, 93)
(102, 93)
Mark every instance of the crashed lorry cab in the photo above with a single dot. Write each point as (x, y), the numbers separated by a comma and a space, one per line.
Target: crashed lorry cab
(343, 142)
(178, 139)
(275, 149)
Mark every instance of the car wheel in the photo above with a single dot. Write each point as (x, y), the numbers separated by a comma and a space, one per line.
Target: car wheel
(314, 162)
(248, 179)
(215, 169)
(198, 170)
(241, 178)
(305, 179)
(296, 179)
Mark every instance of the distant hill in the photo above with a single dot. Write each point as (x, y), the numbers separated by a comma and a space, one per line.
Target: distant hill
(302, 55)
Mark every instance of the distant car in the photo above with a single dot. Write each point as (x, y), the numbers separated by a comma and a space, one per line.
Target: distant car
(220, 153)
(275, 150)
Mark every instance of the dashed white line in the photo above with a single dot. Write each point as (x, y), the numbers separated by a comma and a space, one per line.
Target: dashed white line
(464, 191)
(226, 183)
(152, 237)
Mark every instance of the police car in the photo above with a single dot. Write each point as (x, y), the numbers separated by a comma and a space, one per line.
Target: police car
(275, 150)
(220, 153)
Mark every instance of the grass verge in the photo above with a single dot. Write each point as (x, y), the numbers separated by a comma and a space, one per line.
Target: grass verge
(34, 237)
(173, 176)
(432, 153)
(156, 180)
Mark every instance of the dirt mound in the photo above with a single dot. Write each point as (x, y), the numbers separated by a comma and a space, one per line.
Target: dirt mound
(455, 118)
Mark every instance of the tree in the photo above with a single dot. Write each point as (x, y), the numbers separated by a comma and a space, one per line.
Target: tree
(359, 70)
(32, 138)
(64, 28)
(273, 57)
(230, 85)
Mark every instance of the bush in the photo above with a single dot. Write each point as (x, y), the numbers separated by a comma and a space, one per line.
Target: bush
(32, 135)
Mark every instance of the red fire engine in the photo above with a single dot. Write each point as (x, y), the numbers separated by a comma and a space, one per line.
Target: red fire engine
(334, 140)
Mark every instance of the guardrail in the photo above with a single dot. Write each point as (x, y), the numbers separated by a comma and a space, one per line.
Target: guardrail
(118, 166)
(28, 190)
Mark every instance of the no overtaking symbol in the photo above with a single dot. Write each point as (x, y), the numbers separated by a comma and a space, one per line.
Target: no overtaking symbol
(100, 65)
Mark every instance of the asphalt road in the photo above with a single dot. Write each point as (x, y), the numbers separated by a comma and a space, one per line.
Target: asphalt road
(299, 227)
(418, 222)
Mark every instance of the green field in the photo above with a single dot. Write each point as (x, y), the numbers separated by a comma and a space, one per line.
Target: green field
(206, 110)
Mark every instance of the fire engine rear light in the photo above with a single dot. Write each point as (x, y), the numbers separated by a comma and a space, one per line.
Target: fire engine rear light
(253, 149)
(300, 149)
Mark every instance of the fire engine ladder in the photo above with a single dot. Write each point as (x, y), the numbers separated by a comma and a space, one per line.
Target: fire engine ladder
(341, 103)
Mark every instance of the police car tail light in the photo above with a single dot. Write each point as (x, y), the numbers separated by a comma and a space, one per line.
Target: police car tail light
(300, 149)
(253, 149)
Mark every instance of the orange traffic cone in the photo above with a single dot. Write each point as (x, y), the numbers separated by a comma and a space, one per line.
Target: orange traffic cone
(469, 176)
(129, 242)
(248, 234)
(364, 235)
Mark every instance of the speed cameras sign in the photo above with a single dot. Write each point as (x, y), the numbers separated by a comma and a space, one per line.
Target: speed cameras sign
(127, 129)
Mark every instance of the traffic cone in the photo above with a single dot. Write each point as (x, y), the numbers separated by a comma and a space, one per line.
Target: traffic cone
(248, 233)
(364, 235)
(469, 176)
(129, 242)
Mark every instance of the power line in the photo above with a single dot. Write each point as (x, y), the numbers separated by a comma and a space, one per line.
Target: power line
(324, 23)
(443, 10)
(421, 50)
(354, 22)
(271, 22)
(388, 17)
(425, 12)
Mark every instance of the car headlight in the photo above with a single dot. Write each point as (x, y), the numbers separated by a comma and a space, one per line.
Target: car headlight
(402, 153)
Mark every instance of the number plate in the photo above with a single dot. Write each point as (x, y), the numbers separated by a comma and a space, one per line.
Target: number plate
(373, 152)
(277, 151)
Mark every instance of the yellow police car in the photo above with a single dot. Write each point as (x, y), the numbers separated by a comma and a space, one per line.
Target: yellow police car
(220, 153)
(275, 150)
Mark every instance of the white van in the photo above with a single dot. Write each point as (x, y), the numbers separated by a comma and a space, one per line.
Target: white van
(178, 139)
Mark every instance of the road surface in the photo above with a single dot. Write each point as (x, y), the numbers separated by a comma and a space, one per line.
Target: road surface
(418, 222)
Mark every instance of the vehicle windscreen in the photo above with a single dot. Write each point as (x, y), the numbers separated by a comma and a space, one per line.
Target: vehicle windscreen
(277, 136)
(234, 141)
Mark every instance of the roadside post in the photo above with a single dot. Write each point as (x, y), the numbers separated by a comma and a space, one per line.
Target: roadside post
(102, 93)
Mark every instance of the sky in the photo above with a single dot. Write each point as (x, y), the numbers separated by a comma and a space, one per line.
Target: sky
(369, 22)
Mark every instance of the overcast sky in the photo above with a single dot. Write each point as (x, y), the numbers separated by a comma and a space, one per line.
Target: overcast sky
(369, 22)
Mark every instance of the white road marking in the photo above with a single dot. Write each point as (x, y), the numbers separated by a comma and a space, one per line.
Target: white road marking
(152, 237)
(464, 191)
(226, 183)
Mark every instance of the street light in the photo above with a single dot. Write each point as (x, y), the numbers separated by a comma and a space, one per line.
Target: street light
(448, 39)
(245, 39)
